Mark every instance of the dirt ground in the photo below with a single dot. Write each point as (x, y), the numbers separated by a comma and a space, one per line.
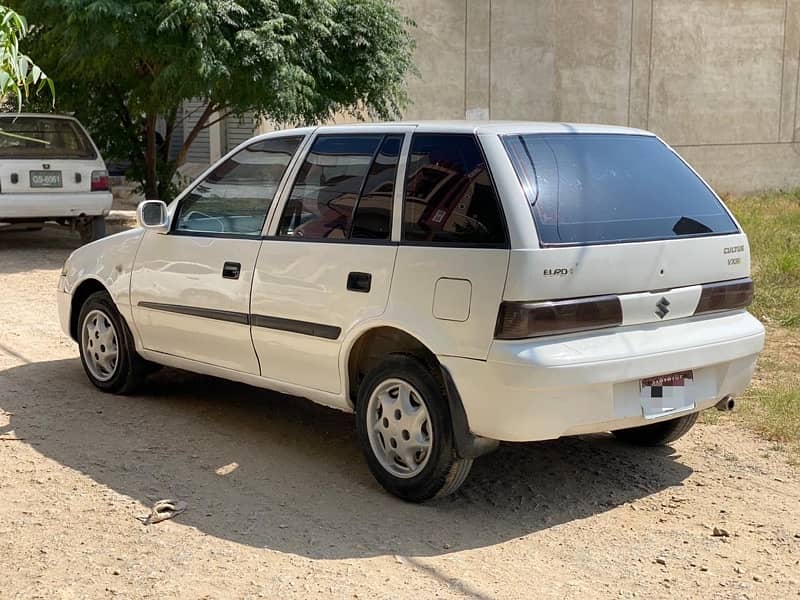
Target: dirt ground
(281, 505)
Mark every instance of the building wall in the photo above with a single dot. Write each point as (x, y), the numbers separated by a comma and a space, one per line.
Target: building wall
(717, 79)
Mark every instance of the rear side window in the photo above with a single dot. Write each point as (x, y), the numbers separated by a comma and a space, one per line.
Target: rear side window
(43, 137)
(449, 197)
(235, 197)
(599, 188)
(344, 189)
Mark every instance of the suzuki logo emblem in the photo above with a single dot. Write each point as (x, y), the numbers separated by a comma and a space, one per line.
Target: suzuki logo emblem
(661, 308)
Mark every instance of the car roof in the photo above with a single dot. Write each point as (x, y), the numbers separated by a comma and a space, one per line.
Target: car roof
(14, 115)
(499, 127)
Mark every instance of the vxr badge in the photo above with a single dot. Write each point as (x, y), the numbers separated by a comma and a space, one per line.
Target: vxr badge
(661, 308)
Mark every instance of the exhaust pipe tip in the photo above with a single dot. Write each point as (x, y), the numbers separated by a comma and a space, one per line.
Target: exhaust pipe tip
(727, 404)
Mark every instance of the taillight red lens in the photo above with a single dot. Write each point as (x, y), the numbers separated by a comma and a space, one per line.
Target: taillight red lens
(725, 295)
(519, 320)
(100, 181)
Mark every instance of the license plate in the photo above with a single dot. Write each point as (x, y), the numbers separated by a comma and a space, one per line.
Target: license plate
(667, 394)
(46, 179)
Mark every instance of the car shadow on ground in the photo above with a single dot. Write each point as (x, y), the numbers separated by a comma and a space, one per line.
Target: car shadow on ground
(268, 470)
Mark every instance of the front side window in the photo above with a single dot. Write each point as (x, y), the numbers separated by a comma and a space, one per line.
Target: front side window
(449, 196)
(43, 138)
(344, 189)
(602, 188)
(235, 197)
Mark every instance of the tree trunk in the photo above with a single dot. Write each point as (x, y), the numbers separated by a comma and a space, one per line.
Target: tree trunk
(150, 159)
(198, 127)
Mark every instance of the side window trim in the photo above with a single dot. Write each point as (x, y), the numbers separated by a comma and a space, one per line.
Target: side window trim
(175, 206)
(400, 188)
(360, 196)
(287, 182)
(282, 197)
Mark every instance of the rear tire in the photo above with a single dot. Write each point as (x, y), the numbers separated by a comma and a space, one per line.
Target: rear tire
(108, 353)
(657, 434)
(92, 229)
(404, 429)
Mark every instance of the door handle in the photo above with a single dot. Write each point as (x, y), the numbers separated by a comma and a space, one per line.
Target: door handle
(359, 282)
(231, 270)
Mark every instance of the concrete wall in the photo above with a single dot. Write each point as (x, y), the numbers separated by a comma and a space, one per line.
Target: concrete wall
(717, 79)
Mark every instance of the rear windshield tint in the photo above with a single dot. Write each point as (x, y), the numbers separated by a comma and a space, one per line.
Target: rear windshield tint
(42, 137)
(598, 188)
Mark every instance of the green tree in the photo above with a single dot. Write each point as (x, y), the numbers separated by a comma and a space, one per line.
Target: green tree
(126, 67)
(18, 74)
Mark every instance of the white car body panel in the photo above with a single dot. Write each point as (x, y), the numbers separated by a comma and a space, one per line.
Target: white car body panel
(306, 281)
(447, 298)
(74, 199)
(414, 290)
(185, 271)
(589, 382)
(109, 262)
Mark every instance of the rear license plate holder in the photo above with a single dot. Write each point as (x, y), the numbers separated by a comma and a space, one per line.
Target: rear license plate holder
(667, 394)
(46, 179)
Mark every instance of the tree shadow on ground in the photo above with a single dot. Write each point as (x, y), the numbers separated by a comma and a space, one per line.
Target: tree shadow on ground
(301, 484)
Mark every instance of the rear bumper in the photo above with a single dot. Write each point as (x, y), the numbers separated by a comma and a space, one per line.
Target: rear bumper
(54, 205)
(586, 383)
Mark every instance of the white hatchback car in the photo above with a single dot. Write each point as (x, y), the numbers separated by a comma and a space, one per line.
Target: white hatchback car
(51, 170)
(453, 284)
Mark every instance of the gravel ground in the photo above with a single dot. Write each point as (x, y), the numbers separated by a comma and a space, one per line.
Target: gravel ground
(280, 503)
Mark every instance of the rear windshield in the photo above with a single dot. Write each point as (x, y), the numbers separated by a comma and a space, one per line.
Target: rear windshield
(598, 188)
(43, 137)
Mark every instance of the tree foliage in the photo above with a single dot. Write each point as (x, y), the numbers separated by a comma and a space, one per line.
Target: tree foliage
(127, 66)
(18, 74)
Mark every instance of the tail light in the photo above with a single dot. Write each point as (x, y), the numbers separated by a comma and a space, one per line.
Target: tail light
(725, 295)
(519, 320)
(100, 181)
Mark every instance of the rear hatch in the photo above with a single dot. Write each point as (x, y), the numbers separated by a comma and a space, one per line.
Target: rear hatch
(622, 217)
(43, 154)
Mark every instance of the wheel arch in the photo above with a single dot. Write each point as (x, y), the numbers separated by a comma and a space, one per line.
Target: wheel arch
(84, 289)
(367, 348)
(371, 345)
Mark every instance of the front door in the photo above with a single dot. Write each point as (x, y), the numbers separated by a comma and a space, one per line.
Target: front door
(328, 264)
(190, 288)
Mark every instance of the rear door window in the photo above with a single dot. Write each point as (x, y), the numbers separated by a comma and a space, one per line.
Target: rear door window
(43, 138)
(601, 188)
(449, 196)
(344, 189)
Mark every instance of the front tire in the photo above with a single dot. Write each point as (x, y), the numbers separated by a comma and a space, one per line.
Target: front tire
(657, 434)
(108, 353)
(404, 429)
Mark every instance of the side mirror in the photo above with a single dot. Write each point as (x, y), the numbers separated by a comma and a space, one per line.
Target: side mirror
(152, 214)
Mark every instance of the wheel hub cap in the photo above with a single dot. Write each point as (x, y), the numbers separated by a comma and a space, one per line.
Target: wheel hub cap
(399, 428)
(100, 345)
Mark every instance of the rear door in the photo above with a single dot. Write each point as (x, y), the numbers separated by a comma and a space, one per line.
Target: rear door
(190, 288)
(327, 264)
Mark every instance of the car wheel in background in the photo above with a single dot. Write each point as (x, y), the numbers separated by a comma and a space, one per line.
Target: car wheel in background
(107, 350)
(92, 229)
(404, 429)
(657, 434)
